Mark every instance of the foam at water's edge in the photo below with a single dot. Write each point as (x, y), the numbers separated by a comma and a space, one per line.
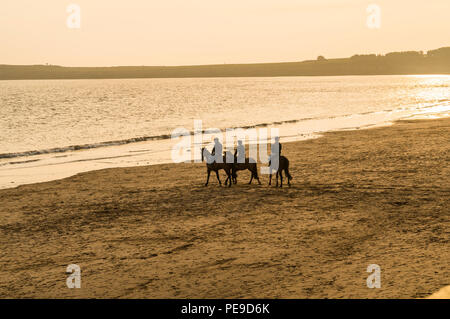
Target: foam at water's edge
(150, 138)
(169, 136)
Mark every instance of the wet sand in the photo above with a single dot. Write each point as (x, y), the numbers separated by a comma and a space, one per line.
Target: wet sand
(378, 196)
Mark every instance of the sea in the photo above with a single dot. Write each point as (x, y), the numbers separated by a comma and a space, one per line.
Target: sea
(52, 129)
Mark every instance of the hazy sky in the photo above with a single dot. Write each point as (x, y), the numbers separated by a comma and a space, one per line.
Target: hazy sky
(180, 32)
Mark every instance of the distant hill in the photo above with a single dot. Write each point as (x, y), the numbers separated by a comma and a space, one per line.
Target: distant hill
(410, 62)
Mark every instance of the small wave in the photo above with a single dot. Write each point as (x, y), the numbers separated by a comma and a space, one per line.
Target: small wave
(169, 136)
(85, 146)
(133, 140)
(153, 138)
(24, 162)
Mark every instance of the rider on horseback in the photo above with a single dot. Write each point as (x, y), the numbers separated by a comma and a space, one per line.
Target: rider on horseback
(217, 151)
(239, 154)
(275, 154)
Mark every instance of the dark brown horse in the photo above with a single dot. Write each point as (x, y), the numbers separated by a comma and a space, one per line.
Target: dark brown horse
(250, 164)
(228, 168)
(283, 166)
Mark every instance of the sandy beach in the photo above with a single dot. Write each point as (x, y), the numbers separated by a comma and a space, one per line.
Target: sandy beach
(378, 196)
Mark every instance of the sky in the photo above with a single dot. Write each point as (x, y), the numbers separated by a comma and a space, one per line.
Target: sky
(192, 32)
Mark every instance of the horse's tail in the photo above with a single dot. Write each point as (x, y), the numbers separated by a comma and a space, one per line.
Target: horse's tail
(289, 176)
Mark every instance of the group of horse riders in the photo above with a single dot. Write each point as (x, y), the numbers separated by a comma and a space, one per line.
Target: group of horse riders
(217, 160)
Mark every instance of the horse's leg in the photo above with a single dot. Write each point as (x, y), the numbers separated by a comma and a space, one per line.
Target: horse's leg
(254, 170)
(286, 171)
(218, 178)
(226, 181)
(229, 178)
(256, 175)
(278, 172)
(270, 176)
(281, 178)
(207, 179)
(251, 179)
(229, 173)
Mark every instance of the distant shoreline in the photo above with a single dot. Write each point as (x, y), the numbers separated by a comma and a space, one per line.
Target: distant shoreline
(395, 63)
(218, 77)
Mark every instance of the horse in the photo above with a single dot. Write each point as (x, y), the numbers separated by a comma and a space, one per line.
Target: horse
(249, 164)
(227, 167)
(282, 165)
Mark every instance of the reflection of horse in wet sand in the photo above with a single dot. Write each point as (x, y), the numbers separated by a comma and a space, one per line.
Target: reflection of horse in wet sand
(283, 165)
(213, 166)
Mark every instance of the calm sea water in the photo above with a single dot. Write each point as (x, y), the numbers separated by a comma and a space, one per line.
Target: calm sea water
(41, 121)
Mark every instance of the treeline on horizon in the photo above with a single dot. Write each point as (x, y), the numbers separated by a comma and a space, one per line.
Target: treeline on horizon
(409, 62)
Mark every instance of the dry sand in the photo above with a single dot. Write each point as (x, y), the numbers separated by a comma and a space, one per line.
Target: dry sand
(444, 293)
(378, 196)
